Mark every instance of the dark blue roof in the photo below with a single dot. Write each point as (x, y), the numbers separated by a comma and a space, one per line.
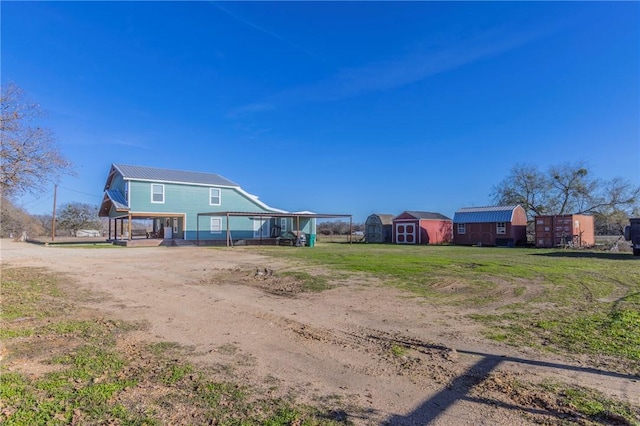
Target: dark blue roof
(117, 199)
(166, 175)
(491, 214)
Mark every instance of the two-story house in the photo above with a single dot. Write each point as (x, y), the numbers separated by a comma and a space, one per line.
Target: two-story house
(190, 206)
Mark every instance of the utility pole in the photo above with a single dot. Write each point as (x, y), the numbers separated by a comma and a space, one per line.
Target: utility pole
(53, 216)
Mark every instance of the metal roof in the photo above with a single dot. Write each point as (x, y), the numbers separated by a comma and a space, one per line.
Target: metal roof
(385, 219)
(117, 199)
(112, 198)
(167, 175)
(427, 215)
(489, 214)
(308, 215)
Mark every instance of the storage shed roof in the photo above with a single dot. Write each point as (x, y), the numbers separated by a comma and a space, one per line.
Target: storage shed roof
(489, 214)
(427, 215)
(385, 219)
(167, 175)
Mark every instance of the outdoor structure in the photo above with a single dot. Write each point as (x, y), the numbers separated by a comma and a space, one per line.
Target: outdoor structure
(568, 230)
(413, 227)
(504, 226)
(176, 201)
(378, 228)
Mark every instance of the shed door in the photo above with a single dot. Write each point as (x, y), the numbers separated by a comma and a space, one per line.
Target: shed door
(405, 233)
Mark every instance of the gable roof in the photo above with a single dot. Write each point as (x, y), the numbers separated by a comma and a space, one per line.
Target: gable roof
(112, 198)
(425, 215)
(488, 214)
(154, 174)
(129, 172)
(385, 219)
(118, 200)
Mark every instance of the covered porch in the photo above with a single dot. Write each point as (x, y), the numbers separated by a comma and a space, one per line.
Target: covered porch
(302, 222)
(161, 229)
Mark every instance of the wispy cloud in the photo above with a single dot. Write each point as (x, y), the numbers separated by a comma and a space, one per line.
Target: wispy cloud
(387, 75)
(264, 30)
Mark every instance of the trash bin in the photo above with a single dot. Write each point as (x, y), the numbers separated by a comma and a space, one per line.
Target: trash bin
(312, 240)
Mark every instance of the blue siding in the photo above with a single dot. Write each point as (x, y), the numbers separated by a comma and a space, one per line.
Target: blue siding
(193, 199)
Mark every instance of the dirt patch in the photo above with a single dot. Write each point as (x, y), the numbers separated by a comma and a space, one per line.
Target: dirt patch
(371, 354)
(264, 278)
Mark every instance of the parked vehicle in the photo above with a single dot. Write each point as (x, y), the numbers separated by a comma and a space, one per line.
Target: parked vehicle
(632, 233)
(292, 238)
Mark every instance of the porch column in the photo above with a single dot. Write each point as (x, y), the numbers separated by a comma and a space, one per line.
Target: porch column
(129, 225)
(350, 229)
(109, 228)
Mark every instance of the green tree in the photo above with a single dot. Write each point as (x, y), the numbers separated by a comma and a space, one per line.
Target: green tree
(76, 216)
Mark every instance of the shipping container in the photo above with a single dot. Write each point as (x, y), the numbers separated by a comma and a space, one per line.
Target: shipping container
(569, 230)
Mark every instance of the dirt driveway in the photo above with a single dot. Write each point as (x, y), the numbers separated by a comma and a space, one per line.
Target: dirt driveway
(376, 354)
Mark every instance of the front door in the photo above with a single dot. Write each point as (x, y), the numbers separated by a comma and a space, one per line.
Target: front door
(260, 228)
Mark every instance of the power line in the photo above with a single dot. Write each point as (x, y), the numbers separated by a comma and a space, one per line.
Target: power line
(38, 201)
(80, 192)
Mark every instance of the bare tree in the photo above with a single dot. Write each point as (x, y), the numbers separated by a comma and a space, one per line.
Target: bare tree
(572, 188)
(28, 153)
(526, 186)
(564, 189)
(16, 222)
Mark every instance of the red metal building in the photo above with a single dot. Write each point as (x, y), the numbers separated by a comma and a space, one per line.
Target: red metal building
(490, 226)
(575, 230)
(413, 227)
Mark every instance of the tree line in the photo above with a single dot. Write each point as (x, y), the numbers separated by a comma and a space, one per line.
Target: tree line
(70, 218)
(30, 161)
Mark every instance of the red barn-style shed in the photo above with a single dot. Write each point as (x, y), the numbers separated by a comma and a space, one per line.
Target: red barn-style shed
(412, 227)
(490, 226)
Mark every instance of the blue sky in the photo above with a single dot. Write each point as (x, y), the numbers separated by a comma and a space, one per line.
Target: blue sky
(333, 107)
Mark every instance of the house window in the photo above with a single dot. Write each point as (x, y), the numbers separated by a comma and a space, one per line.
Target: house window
(501, 228)
(283, 224)
(462, 228)
(157, 193)
(214, 196)
(126, 192)
(216, 225)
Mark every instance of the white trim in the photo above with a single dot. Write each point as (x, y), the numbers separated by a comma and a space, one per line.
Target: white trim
(211, 227)
(258, 202)
(152, 193)
(405, 233)
(176, 182)
(219, 196)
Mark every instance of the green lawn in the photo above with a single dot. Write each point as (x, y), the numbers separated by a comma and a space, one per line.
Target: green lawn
(565, 301)
(92, 373)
